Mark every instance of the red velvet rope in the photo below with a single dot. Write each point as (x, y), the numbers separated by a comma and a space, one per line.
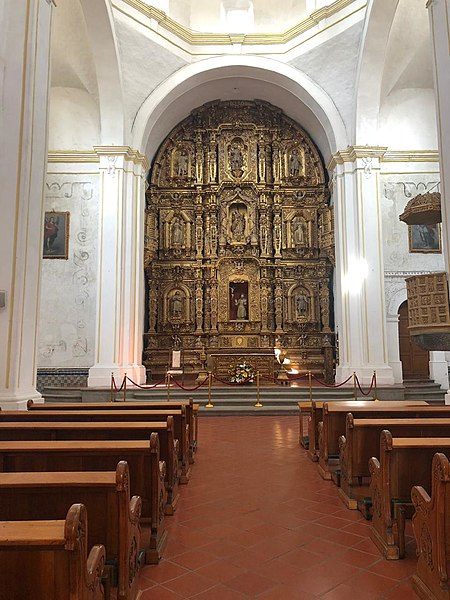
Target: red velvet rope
(115, 386)
(332, 385)
(190, 389)
(369, 390)
(146, 387)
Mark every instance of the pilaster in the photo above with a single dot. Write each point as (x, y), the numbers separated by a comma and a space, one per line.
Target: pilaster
(120, 299)
(360, 305)
(24, 54)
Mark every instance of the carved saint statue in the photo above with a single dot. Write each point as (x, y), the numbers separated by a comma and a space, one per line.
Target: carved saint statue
(182, 164)
(294, 163)
(237, 224)
(241, 307)
(298, 232)
(236, 158)
(176, 305)
(176, 232)
(301, 305)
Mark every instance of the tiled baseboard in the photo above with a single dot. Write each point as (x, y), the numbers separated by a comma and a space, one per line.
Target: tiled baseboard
(61, 378)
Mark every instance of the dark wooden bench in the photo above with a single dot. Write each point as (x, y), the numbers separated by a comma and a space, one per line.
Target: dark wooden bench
(119, 416)
(96, 430)
(403, 463)
(48, 560)
(432, 532)
(147, 473)
(113, 515)
(362, 441)
(333, 424)
(188, 406)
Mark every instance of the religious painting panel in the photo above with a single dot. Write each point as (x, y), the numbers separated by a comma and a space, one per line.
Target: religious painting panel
(56, 235)
(425, 238)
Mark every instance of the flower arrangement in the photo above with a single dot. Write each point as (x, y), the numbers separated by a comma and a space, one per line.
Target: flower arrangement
(242, 373)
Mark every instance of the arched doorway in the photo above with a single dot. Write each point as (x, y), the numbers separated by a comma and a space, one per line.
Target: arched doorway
(240, 244)
(415, 361)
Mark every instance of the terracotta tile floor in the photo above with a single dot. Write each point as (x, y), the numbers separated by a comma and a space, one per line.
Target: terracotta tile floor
(257, 521)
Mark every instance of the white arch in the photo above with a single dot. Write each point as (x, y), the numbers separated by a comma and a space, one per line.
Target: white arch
(189, 88)
(397, 300)
(100, 28)
(379, 17)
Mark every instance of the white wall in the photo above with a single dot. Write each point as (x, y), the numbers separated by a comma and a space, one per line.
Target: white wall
(74, 119)
(69, 287)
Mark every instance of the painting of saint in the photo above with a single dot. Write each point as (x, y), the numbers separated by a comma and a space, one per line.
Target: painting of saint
(56, 235)
(424, 238)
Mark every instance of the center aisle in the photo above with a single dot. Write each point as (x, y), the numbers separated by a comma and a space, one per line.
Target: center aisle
(257, 521)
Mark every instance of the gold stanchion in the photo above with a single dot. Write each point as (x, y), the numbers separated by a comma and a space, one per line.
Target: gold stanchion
(125, 388)
(210, 404)
(111, 392)
(168, 385)
(375, 385)
(258, 403)
(310, 386)
(355, 389)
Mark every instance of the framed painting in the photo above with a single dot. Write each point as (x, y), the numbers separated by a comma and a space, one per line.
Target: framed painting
(425, 238)
(56, 235)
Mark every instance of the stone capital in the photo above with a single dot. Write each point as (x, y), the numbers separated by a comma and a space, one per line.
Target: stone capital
(125, 152)
(352, 153)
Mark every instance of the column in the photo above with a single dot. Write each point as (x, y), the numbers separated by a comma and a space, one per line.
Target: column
(439, 15)
(360, 304)
(24, 68)
(120, 302)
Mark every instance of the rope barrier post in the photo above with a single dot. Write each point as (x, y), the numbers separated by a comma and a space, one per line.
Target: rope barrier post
(168, 385)
(375, 385)
(355, 388)
(258, 403)
(210, 404)
(111, 392)
(310, 385)
(125, 388)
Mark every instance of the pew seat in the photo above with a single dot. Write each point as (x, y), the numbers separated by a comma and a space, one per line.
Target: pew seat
(431, 526)
(48, 560)
(403, 464)
(113, 515)
(362, 441)
(147, 473)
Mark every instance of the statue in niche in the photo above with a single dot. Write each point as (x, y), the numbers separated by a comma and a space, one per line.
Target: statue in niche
(237, 224)
(176, 306)
(176, 233)
(236, 160)
(294, 163)
(238, 301)
(298, 232)
(301, 304)
(241, 307)
(182, 164)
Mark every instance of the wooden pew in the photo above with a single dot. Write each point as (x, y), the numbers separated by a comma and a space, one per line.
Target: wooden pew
(362, 441)
(48, 560)
(316, 416)
(404, 463)
(191, 412)
(333, 424)
(96, 430)
(432, 533)
(113, 515)
(182, 450)
(147, 473)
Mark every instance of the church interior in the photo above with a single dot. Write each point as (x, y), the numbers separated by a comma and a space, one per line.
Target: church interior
(213, 197)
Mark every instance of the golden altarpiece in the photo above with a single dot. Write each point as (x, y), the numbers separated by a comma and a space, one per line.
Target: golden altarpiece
(239, 245)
